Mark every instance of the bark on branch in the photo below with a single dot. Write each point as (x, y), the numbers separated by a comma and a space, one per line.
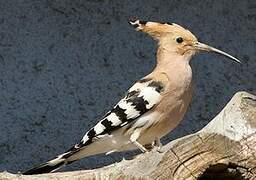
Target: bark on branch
(225, 148)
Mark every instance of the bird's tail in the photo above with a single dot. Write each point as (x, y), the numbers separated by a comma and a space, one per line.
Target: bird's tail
(76, 152)
(49, 166)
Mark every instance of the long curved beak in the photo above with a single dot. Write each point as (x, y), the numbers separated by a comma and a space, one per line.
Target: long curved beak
(205, 47)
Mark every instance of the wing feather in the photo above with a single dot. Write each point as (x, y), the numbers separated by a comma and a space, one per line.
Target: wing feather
(139, 99)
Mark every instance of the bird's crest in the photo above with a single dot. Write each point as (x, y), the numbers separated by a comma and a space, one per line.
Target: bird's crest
(159, 29)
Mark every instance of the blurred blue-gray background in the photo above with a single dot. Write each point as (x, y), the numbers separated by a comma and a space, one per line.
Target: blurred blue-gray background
(64, 63)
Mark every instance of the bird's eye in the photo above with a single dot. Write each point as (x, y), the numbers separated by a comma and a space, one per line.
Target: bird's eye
(179, 40)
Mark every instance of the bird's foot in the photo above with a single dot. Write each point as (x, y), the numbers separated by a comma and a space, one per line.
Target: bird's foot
(140, 147)
(157, 145)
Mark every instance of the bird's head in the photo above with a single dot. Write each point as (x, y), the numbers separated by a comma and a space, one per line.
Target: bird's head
(176, 39)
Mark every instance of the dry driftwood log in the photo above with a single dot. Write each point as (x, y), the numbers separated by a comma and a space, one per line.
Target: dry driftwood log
(224, 149)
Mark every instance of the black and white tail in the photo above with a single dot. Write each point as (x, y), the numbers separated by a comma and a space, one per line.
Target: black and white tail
(44, 168)
(51, 165)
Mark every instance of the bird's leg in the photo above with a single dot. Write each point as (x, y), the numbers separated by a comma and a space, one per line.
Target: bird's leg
(141, 147)
(157, 143)
(134, 137)
(149, 146)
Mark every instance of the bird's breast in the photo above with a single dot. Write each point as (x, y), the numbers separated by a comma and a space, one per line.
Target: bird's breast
(175, 101)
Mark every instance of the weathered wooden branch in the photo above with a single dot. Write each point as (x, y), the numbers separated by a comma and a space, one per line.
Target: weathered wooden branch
(225, 148)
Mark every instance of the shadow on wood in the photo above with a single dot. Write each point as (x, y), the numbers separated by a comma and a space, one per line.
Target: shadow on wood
(224, 149)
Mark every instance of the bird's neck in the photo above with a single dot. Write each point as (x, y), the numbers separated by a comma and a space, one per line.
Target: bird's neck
(176, 67)
(167, 57)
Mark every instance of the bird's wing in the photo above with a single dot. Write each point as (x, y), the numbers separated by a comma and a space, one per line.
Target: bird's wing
(140, 98)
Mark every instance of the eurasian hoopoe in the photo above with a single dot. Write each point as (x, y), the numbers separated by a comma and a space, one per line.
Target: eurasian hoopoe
(152, 107)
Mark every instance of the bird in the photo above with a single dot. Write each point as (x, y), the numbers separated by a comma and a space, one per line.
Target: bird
(152, 107)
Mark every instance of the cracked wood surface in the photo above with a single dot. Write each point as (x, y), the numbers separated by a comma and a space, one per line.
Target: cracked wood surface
(224, 149)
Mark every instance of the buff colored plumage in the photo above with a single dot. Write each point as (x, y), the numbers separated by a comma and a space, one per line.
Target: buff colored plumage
(152, 107)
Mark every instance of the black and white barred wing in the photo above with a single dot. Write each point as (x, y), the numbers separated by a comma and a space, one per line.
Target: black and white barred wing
(140, 98)
(104, 136)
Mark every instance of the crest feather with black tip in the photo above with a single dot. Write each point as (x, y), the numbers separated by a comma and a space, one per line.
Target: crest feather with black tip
(158, 30)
